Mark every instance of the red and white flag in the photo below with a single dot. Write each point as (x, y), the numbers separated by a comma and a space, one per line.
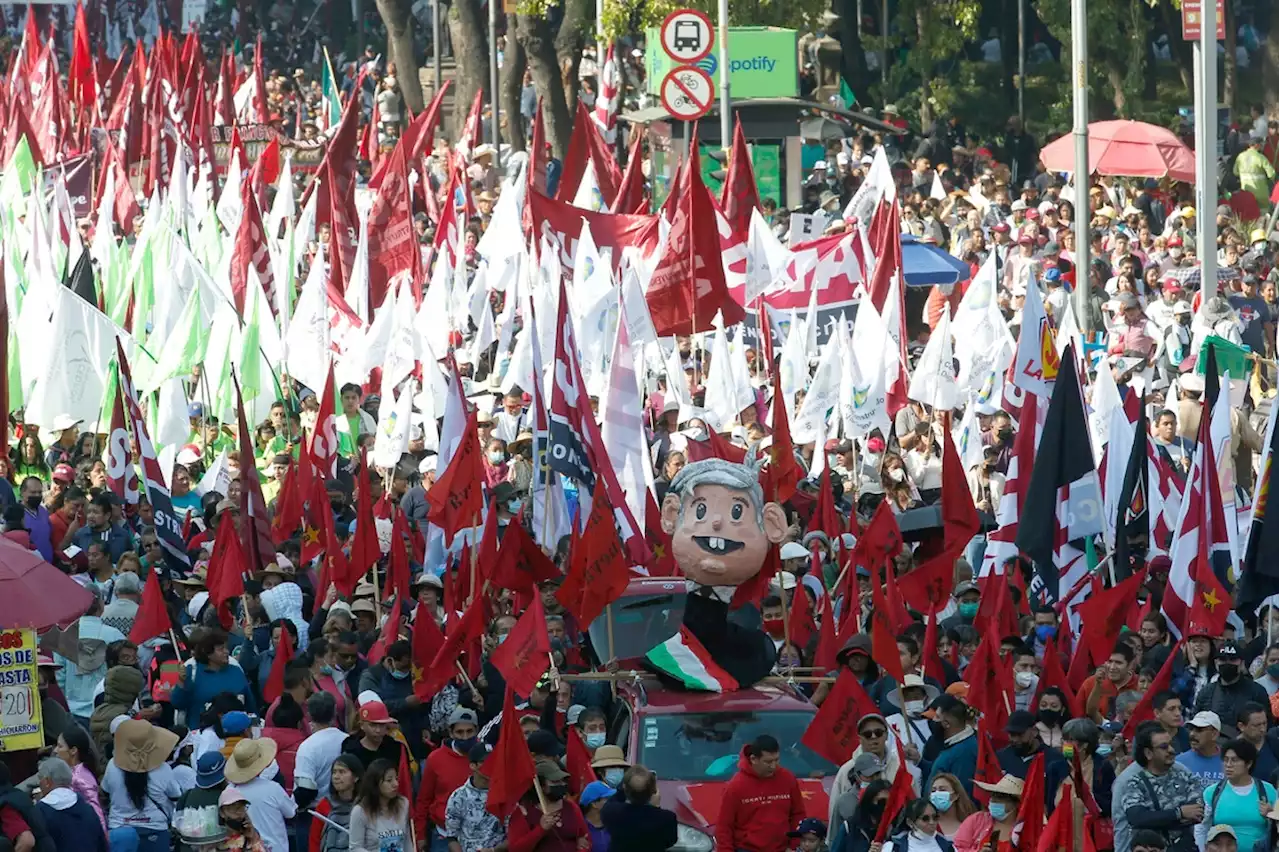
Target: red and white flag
(605, 114)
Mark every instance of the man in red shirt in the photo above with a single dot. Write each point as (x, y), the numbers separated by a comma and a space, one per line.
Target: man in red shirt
(1116, 676)
(446, 769)
(762, 802)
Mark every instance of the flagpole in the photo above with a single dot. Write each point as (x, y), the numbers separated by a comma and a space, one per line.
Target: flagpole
(546, 500)
(475, 552)
(377, 593)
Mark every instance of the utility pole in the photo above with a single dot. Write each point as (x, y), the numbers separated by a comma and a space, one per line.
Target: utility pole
(436, 40)
(726, 111)
(1080, 177)
(493, 83)
(1022, 63)
(1207, 152)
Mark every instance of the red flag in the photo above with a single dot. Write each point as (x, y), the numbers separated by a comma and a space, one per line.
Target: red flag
(598, 571)
(929, 654)
(631, 198)
(521, 564)
(255, 522)
(880, 540)
(900, 793)
(1102, 615)
(1060, 833)
(404, 775)
(427, 641)
(740, 194)
(526, 654)
(899, 618)
(472, 132)
(1144, 711)
(226, 569)
(577, 761)
(990, 679)
(833, 732)
(398, 572)
(538, 154)
(1031, 808)
(884, 645)
(456, 498)
(250, 252)
(995, 609)
(288, 516)
(390, 633)
(800, 622)
(824, 656)
(509, 767)
(987, 768)
(80, 75)
(393, 246)
(781, 475)
(275, 678)
(365, 550)
(585, 145)
(323, 446)
(825, 518)
(152, 618)
(1051, 674)
(464, 631)
(928, 587)
(688, 289)
(663, 564)
(311, 488)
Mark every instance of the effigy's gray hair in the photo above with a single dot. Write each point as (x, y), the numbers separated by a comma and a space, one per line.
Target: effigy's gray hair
(738, 477)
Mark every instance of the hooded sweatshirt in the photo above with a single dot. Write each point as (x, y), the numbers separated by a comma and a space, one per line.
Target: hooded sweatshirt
(121, 688)
(758, 812)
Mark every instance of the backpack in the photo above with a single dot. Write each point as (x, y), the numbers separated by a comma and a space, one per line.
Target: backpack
(1221, 786)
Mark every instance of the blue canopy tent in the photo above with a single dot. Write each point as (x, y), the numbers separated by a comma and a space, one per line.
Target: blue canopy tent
(924, 264)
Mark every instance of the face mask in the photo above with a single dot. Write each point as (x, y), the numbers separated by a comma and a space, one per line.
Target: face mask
(941, 800)
(399, 675)
(336, 505)
(556, 792)
(998, 810)
(1024, 680)
(234, 824)
(514, 507)
(915, 708)
(1103, 750)
(464, 746)
(1051, 718)
(898, 474)
(1005, 434)
(920, 834)
(495, 458)
(1273, 671)
(1045, 632)
(613, 777)
(326, 670)
(1228, 671)
(595, 740)
(33, 502)
(1175, 253)
(502, 637)
(968, 610)
(774, 627)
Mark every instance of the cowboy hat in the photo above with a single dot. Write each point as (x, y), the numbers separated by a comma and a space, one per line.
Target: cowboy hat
(912, 681)
(141, 747)
(607, 756)
(1006, 786)
(249, 758)
(197, 577)
(525, 437)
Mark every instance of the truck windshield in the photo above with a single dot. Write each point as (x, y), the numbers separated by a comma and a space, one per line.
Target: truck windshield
(705, 746)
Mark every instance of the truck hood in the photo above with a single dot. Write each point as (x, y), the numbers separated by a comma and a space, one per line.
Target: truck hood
(697, 803)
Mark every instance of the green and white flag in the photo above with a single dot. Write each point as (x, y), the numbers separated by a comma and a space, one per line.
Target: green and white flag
(684, 658)
(329, 91)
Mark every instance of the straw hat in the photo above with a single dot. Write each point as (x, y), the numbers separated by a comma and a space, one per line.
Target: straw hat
(1007, 786)
(249, 758)
(607, 756)
(141, 747)
(912, 681)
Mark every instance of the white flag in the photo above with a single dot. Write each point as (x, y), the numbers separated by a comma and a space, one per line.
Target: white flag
(934, 380)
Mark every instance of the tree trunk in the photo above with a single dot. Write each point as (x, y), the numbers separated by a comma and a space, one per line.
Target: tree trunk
(571, 38)
(1270, 59)
(514, 63)
(1115, 76)
(1009, 50)
(535, 36)
(398, 20)
(1229, 60)
(926, 72)
(469, 30)
(1179, 50)
(853, 57)
(1149, 67)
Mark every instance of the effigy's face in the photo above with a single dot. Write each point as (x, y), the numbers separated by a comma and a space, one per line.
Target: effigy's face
(719, 539)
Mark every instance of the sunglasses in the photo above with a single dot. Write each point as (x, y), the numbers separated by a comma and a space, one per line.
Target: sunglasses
(873, 734)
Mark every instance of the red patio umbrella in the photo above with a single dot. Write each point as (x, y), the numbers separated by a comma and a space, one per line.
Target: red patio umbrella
(1125, 149)
(34, 593)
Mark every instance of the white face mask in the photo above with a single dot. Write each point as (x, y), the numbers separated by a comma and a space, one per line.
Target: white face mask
(898, 475)
(1025, 680)
(915, 708)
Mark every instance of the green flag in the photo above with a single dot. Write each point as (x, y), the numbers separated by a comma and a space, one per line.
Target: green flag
(23, 166)
(1232, 359)
(184, 348)
(250, 360)
(329, 92)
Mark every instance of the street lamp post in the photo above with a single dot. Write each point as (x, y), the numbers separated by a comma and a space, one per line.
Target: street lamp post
(1080, 177)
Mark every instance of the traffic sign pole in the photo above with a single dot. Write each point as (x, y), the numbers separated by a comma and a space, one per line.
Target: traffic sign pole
(1207, 155)
(726, 121)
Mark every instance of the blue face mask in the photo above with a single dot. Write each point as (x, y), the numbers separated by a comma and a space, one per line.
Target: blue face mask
(998, 810)
(1045, 632)
(399, 675)
(613, 777)
(968, 610)
(595, 740)
(464, 746)
(1103, 750)
(326, 670)
(941, 800)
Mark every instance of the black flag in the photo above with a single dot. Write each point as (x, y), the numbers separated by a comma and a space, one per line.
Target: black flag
(81, 280)
(1064, 458)
(1132, 518)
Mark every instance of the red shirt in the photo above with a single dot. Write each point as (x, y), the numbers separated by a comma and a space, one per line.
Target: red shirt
(12, 824)
(525, 834)
(443, 772)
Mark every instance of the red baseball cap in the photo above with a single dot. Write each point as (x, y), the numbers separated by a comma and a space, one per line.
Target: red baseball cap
(64, 473)
(375, 712)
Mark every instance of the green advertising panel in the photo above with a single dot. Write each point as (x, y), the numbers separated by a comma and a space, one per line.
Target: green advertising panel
(762, 62)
